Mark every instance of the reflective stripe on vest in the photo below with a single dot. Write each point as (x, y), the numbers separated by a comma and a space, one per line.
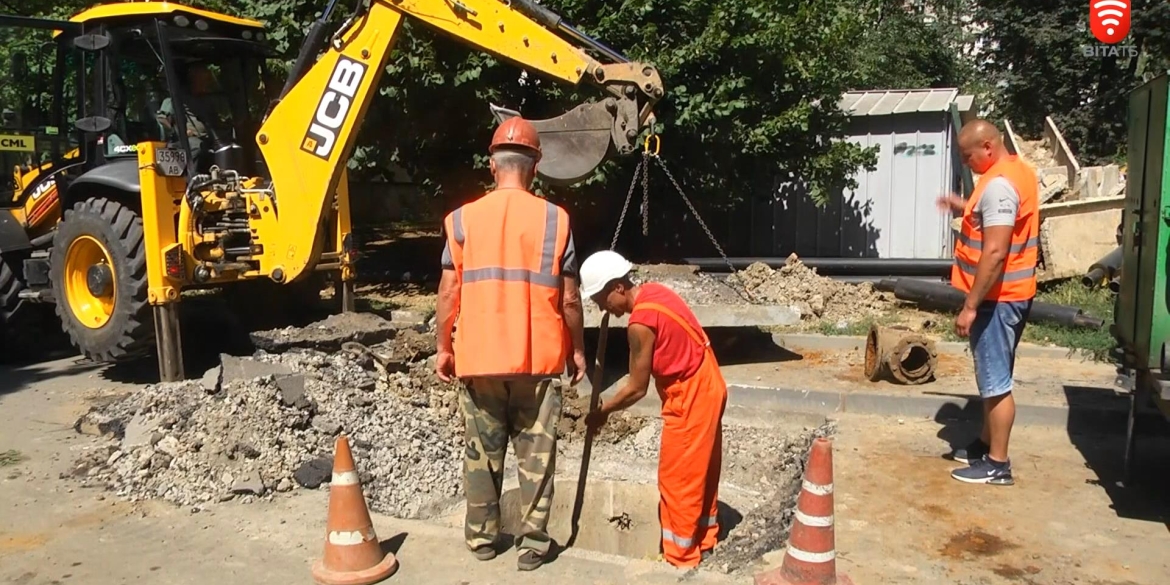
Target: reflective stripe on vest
(507, 248)
(1018, 281)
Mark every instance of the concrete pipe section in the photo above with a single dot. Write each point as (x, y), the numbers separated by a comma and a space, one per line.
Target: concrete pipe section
(617, 517)
(900, 354)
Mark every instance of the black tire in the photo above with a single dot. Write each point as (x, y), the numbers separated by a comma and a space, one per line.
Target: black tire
(129, 331)
(10, 287)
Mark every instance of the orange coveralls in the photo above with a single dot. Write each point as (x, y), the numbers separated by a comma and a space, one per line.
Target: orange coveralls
(691, 454)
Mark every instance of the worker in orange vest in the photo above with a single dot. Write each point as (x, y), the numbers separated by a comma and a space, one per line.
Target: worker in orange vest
(996, 253)
(509, 270)
(667, 342)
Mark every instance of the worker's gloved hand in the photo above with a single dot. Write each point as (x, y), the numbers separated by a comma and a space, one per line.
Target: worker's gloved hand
(576, 367)
(597, 418)
(445, 365)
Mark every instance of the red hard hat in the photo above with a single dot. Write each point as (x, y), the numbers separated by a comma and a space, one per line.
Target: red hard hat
(516, 131)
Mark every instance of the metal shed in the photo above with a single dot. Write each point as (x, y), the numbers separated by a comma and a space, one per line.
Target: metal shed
(892, 213)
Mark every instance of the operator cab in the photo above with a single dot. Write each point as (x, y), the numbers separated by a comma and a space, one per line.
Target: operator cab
(164, 59)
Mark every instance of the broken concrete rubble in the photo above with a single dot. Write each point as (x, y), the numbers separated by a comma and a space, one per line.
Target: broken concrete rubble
(269, 428)
(328, 334)
(272, 422)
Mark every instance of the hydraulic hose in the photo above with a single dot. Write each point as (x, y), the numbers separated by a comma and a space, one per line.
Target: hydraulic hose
(309, 48)
(553, 21)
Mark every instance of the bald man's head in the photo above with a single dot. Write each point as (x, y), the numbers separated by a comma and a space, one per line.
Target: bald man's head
(981, 145)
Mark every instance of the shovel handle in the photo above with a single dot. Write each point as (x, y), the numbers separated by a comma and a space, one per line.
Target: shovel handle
(596, 382)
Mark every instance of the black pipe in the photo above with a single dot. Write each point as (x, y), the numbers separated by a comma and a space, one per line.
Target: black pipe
(839, 266)
(875, 280)
(1103, 269)
(948, 298)
(1115, 284)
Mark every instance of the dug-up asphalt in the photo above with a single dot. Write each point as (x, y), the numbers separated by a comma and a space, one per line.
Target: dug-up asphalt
(900, 518)
(52, 533)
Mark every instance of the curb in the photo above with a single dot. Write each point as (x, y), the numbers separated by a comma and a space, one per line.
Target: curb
(933, 407)
(816, 342)
(753, 403)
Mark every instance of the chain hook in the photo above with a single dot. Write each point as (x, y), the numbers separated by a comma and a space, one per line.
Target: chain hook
(657, 144)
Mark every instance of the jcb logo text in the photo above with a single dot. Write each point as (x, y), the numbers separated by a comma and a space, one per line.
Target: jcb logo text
(333, 108)
(43, 188)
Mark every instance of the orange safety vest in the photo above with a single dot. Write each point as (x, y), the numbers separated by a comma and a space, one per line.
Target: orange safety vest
(1018, 282)
(507, 249)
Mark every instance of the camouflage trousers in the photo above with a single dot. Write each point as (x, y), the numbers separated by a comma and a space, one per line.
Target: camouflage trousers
(527, 411)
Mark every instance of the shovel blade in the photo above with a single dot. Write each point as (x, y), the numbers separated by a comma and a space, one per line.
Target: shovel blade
(573, 144)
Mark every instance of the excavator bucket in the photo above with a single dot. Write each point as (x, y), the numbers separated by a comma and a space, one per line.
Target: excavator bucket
(572, 144)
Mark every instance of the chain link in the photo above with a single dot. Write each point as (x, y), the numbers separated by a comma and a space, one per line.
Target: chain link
(646, 194)
(643, 169)
(626, 206)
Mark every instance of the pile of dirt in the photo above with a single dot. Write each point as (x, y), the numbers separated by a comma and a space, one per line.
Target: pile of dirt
(814, 296)
(1038, 154)
(572, 426)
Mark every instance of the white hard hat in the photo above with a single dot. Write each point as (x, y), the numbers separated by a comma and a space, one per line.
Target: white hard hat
(600, 268)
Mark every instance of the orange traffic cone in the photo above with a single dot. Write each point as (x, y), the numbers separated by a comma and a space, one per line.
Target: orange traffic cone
(812, 555)
(353, 555)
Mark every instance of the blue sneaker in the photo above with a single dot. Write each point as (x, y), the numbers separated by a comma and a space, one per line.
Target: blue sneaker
(972, 452)
(984, 470)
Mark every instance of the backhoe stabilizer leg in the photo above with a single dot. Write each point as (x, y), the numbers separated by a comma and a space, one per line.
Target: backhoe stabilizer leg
(169, 342)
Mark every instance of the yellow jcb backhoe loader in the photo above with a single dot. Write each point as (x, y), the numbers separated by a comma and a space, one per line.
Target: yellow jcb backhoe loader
(251, 184)
(33, 151)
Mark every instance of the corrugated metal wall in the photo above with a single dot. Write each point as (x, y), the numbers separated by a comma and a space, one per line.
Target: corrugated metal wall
(892, 213)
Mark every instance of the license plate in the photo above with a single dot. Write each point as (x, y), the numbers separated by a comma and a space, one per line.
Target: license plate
(171, 161)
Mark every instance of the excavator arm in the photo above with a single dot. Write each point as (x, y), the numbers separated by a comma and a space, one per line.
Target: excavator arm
(309, 135)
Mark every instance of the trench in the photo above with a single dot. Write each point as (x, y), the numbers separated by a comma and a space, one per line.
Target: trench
(759, 484)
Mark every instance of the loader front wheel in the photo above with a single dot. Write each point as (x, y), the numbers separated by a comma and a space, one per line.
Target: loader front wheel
(10, 287)
(98, 273)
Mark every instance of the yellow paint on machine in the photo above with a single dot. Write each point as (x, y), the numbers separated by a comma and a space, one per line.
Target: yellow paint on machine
(17, 143)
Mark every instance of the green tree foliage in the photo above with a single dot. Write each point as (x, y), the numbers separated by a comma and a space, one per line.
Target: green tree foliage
(918, 44)
(1037, 55)
(752, 88)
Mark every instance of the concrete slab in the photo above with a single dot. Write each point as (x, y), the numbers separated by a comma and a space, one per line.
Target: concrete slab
(617, 517)
(1114, 202)
(1060, 150)
(1072, 243)
(717, 316)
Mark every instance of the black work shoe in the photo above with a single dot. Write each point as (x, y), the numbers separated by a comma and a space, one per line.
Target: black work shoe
(484, 552)
(972, 452)
(986, 471)
(529, 560)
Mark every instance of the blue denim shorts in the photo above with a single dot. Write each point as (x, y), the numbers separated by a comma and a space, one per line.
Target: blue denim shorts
(995, 334)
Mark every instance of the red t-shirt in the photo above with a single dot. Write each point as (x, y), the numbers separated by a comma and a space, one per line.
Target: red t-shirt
(676, 355)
